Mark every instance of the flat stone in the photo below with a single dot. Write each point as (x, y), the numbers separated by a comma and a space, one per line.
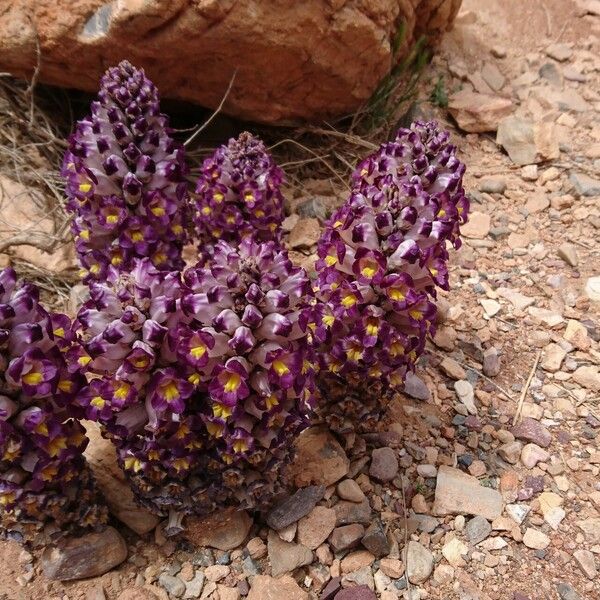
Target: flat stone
(477, 113)
(585, 185)
(359, 592)
(224, 530)
(559, 52)
(516, 136)
(286, 556)
(173, 585)
(193, 588)
(352, 512)
(552, 358)
(491, 362)
(392, 567)
(518, 300)
(492, 185)
(315, 528)
(477, 227)
(216, 573)
(545, 316)
(452, 368)
(269, 588)
(554, 516)
(459, 493)
(350, 490)
(319, 460)
(577, 335)
(331, 589)
(493, 77)
(537, 203)
(384, 464)
(295, 507)
(532, 454)
(477, 529)
(591, 529)
(375, 540)
(535, 539)
(592, 288)
(568, 252)
(346, 537)
(416, 388)
(567, 592)
(533, 431)
(588, 376)
(453, 551)
(466, 394)
(89, 555)
(305, 234)
(510, 452)
(356, 560)
(419, 562)
(587, 563)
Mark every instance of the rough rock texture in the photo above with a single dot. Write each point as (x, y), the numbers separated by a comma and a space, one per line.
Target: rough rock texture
(294, 60)
(224, 530)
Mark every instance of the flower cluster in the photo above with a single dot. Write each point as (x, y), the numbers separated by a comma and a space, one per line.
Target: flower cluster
(238, 194)
(384, 252)
(45, 485)
(125, 179)
(201, 384)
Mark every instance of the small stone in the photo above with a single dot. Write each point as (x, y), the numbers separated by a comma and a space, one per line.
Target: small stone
(416, 388)
(591, 529)
(567, 592)
(559, 52)
(228, 593)
(577, 335)
(392, 567)
(173, 585)
(568, 253)
(357, 560)
(269, 588)
(535, 539)
(305, 234)
(491, 362)
(315, 528)
(384, 464)
(552, 358)
(477, 530)
(352, 512)
(350, 490)
(375, 540)
(443, 574)
(89, 555)
(533, 431)
(510, 452)
(492, 185)
(588, 376)
(516, 136)
(453, 552)
(544, 316)
(287, 534)
(537, 203)
(256, 548)
(224, 530)
(419, 563)
(331, 589)
(532, 454)
(319, 460)
(478, 112)
(216, 572)
(194, 587)
(285, 556)
(459, 493)
(592, 288)
(295, 507)
(477, 227)
(466, 394)
(554, 516)
(452, 368)
(529, 172)
(585, 185)
(587, 563)
(359, 592)
(346, 537)
(427, 471)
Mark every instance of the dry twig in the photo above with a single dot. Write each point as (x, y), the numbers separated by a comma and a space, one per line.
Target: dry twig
(517, 416)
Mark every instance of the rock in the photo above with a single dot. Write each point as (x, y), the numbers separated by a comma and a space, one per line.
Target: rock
(577, 335)
(352, 512)
(102, 458)
(286, 556)
(518, 512)
(585, 185)
(492, 185)
(587, 563)
(295, 507)
(477, 227)
(97, 593)
(529, 172)
(343, 50)
(319, 460)
(546, 141)
(269, 588)
(305, 233)
(491, 362)
(416, 388)
(510, 452)
(567, 592)
(559, 52)
(228, 593)
(544, 316)
(25, 215)
(331, 589)
(346, 537)
(193, 588)
(552, 358)
(476, 113)
(419, 562)
(591, 529)
(588, 376)
(350, 490)
(459, 493)
(477, 529)
(375, 540)
(216, 573)
(592, 288)
(392, 567)
(452, 368)
(173, 585)
(145, 593)
(516, 136)
(535, 539)
(533, 431)
(359, 592)
(224, 530)
(89, 555)
(466, 394)
(518, 300)
(532, 454)
(490, 307)
(315, 528)
(493, 77)
(384, 464)
(537, 203)
(568, 253)
(356, 560)
(453, 551)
